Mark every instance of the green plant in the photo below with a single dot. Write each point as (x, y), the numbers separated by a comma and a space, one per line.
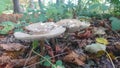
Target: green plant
(5, 5)
(7, 26)
(115, 5)
(20, 26)
(57, 64)
(115, 23)
(46, 60)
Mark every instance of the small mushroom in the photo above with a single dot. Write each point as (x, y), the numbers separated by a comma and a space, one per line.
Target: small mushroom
(40, 31)
(73, 24)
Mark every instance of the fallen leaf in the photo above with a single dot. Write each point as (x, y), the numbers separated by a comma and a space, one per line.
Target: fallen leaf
(72, 57)
(4, 59)
(12, 54)
(12, 47)
(57, 49)
(117, 45)
(94, 48)
(50, 52)
(99, 30)
(86, 34)
(21, 62)
(6, 65)
(9, 65)
(102, 41)
(115, 49)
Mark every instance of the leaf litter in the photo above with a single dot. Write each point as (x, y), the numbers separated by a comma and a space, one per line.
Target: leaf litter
(70, 48)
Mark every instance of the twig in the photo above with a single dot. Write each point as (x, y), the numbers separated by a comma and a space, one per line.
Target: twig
(110, 59)
(44, 60)
(28, 57)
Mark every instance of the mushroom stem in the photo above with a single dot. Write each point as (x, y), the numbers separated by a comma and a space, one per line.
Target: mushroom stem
(42, 47)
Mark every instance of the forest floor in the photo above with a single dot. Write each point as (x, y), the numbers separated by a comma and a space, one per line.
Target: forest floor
(66, 51)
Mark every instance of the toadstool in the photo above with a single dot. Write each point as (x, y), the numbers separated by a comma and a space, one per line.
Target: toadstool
(73, 24)
(40, 31)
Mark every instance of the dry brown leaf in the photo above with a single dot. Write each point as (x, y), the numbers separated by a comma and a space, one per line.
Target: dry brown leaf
(4, 59)
(57, 49)
(50, 52)
(12, 54)
(117, 45)
(15, 63)
(86, 34)
(9, 65)
(21, 62)
(73, 57)
(10, 17)
(12, 47)
(115, 49)
(6, 65)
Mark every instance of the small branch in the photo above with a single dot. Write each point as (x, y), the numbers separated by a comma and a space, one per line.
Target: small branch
(21, 62)
(44, 60)
(28, 58)
(110, 59)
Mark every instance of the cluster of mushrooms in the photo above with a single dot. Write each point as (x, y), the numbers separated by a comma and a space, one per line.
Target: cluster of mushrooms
(41, 31)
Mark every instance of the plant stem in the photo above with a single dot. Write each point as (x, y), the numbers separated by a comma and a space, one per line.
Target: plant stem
(44, 58)
(42, 47)
(110, 59)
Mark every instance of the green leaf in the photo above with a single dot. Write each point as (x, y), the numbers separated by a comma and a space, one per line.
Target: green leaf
(7, 26)
(115, 23)
(4, 4)
(94, 6)
(58, 66)
(35, 44)
(104, 7)
(46, 64)
(59, 62)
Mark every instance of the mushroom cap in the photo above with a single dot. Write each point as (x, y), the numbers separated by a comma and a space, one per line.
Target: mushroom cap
(40, 31)
(73, 24)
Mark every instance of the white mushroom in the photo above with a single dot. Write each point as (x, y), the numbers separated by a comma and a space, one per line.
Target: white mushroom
(40, 31)
(73, 24)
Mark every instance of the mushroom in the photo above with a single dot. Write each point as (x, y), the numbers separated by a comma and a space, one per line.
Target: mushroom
(73, 24)
(40, 31)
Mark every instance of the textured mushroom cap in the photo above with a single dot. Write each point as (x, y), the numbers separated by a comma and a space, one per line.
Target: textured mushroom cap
(40, 31)
(73, 24)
